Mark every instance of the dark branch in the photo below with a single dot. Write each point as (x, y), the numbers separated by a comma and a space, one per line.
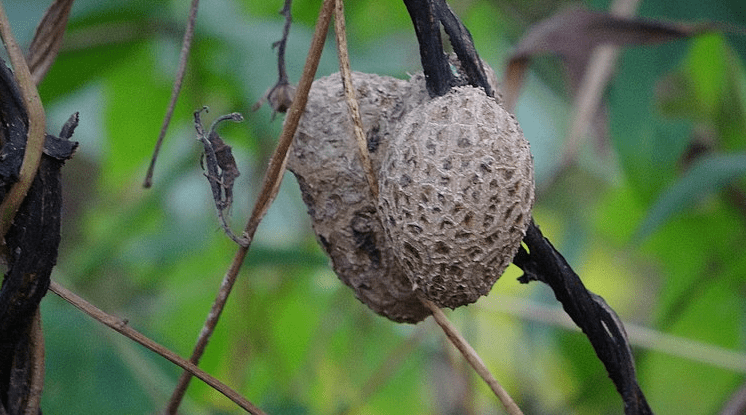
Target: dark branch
(439, 77)
(30, 246)
(589, 311)
(427, 16)
(463, 45)
(543, 262)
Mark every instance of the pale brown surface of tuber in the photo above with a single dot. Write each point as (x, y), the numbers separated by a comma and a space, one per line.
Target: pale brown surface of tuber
(456, 192)
(324, 159)
(477, 207)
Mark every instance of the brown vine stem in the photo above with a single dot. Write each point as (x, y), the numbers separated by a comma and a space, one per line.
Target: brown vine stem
(270, 186)
(472, 357)
(37, 123)
(36, 377)
(186, 46)
(121, 327)
(737, 403)
(352, 104)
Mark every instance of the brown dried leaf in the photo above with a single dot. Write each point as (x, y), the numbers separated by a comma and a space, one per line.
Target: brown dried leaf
(48, 38)
(574, 33)
(280, 97)
(221, 168)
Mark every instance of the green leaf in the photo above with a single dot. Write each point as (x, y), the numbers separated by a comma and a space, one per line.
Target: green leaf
(709, 88)
(693, 387)
(133, 116)
(706, 177)
(649, 145)
(706, 65)
(84, 373)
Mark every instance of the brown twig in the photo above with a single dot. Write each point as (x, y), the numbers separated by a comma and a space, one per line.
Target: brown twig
(472, 357)
(121, 327)
(186, 46)
(280, 96)
(352, 104)
(36, 378)
(270, 186)
(37, 124)
(737, 403)
(276, 168)
(282, 43)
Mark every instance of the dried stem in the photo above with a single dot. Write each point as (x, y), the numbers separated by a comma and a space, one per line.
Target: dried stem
(737, 403)
(268, 192)
(121, 326)
(37, 124)
(472, 357)
(186, 46)
(36, 378)
(352, 104)
(280, 44)
(280, 96)
(276, 168)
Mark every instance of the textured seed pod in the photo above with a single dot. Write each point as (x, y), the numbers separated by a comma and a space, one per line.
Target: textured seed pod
(325, 161)
(456, 192)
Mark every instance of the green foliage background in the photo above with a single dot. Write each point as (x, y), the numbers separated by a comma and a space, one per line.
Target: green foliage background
(658, 234)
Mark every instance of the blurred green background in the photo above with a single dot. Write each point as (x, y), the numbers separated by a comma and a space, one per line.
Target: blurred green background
(653, 219)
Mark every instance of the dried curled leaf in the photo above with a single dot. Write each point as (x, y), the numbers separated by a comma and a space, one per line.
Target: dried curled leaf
(280, 97)
(220, 168)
